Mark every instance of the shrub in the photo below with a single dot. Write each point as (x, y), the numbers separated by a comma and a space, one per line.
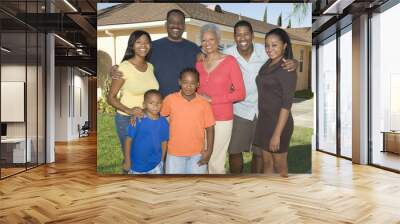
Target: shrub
(104, 107)
(307, 94)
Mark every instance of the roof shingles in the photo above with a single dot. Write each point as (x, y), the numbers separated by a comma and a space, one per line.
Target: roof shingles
(149, 12)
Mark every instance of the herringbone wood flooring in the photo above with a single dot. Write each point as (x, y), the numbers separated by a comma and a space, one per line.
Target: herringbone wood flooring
(70, 191)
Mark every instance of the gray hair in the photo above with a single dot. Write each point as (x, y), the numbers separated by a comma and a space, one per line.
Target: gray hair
(209, 27)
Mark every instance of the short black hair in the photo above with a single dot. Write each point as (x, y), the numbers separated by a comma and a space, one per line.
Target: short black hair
(150, 92)
(242, 23)
(190, 70)
(175, 11)
(281, 34)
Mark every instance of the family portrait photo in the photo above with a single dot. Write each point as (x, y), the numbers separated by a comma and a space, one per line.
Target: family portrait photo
(186, 112)
(201, 88)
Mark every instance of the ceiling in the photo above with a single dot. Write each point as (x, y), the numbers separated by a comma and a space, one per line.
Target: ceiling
(74, 22)
(79, 27)
(328, 15)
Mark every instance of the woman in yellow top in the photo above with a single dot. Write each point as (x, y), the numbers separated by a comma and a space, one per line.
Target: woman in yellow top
(137, 79)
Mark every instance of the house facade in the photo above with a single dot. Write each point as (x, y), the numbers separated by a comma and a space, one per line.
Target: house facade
(117, 23)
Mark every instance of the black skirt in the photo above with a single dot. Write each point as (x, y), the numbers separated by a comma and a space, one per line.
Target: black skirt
(265, 128)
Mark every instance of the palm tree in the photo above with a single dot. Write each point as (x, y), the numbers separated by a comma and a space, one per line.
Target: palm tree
(279, 22)
(300, 10)
(265, 15)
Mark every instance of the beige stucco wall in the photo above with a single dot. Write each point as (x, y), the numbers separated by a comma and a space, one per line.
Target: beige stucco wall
(192, 33)
(105, 43)
(259, 40)
(304, 75)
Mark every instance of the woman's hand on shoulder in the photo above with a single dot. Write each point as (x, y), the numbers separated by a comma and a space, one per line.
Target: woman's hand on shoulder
(135, 112)
(115, 73)
(132, 121)
(200, 57)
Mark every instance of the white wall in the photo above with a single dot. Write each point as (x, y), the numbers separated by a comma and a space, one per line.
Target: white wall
(69, 85)
(61, 103)
(12, 101)
(14, 73)
(121, 43)
(80, 93)
(33, 126)
(106, 44)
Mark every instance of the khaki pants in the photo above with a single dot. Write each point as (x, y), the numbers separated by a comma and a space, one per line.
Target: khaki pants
(223, 131)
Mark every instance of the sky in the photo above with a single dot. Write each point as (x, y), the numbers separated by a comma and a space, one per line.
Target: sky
(256, 11)
(105, 5)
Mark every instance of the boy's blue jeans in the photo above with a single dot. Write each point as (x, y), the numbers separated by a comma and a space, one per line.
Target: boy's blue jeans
(184, 165)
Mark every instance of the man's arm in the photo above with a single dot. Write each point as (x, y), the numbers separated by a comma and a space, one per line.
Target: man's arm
(115, 73)
(200, 57)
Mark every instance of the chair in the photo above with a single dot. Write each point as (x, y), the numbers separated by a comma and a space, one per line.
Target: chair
(84, 130)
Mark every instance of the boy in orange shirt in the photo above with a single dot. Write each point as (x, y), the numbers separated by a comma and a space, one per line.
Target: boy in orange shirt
(189, 115)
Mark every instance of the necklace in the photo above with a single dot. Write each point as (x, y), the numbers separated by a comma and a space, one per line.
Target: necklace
(141, 68)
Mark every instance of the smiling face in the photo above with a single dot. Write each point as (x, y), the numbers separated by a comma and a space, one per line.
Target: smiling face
(189, 84)
(141, 47)
(274, 47)
(243, 38)
(175, 26)
(209, 42)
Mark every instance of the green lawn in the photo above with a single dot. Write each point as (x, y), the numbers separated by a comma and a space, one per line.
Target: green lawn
(109, 155)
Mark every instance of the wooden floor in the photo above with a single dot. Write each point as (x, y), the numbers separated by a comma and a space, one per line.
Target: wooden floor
(387, 159)
(70, 191)
(10, 171)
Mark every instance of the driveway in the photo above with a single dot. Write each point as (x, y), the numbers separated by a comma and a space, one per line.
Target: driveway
(303, 112)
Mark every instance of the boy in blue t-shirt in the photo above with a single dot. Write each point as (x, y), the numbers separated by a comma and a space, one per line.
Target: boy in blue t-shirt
(146, 143)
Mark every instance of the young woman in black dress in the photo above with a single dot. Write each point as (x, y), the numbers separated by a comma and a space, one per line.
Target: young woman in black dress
(276, 88)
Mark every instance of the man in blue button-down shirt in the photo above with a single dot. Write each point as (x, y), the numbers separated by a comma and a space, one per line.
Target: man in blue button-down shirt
(250, 56)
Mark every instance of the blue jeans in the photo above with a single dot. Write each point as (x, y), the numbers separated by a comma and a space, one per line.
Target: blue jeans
(121, 124)
(159, 169)
(184, 165)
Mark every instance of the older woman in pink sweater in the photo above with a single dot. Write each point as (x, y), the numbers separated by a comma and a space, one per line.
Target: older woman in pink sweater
(221, 83)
